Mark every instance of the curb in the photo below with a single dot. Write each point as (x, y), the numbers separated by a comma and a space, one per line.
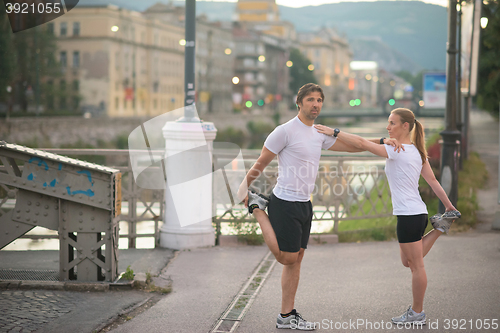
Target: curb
(65, 286)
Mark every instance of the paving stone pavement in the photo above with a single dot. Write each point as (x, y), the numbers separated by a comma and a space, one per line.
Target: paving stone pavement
(62, 311)
(26, 310)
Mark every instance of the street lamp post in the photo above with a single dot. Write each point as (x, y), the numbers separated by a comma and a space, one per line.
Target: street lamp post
(189, 65)
(459, 84)
(451, 136)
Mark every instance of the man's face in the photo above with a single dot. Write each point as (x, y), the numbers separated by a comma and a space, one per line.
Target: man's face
(311, 105)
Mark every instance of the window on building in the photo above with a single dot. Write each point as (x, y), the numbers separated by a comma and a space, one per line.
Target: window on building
(247, 62)
(62, 103)
(117, 60)
(76, 59)
(62, 85)
(76, 28)
(63, 59)
(117, 103)
(64, 28)
(76, 85)
(50, 28)
(155, 103)
(75, 103)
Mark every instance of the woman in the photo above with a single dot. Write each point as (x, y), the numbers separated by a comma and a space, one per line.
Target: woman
(403, 171)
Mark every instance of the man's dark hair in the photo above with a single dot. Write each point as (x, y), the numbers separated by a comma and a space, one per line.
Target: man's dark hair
(306, 89)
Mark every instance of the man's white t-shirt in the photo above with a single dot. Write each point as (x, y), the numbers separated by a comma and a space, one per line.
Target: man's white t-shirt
(403, 172)
(298, 147)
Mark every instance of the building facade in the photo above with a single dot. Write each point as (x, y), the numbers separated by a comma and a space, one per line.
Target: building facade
(261, 74)
(124, 63)
(330, 55)
(214, 65)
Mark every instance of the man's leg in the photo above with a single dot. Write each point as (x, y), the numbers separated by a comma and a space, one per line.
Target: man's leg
(285, 258)
(289, 283)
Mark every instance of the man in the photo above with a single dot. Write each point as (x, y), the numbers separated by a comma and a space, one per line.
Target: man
(287, 227)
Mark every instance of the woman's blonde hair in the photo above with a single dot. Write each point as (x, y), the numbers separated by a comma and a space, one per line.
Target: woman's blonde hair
(416, 130)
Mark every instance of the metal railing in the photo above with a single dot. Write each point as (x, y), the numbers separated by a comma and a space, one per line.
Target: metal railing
(347, 188)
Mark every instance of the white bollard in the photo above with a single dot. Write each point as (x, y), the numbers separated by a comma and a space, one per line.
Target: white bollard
(188, 193)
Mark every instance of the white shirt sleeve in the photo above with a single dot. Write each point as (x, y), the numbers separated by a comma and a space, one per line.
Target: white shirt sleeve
(391, 154)
(277, 140)
(328, 141)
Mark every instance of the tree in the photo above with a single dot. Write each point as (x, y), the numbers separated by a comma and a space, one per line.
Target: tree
(488, 96)
(416, 82)
(6, 58)
(299, 73)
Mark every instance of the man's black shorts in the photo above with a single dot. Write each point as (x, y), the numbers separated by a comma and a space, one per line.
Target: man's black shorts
(291, 221)
(411, 228)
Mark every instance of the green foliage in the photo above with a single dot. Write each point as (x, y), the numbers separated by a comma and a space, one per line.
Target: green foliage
(415, 80)
(472, 177)
(129, 274)
(364, 235)
(258, 133)
(299, 73)
(488, 97)
(230, 134)
(247, 232)
(34, 52)
(6, 57)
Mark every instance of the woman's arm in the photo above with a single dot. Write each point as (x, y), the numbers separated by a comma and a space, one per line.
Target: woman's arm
(355, 141)
(430, 178)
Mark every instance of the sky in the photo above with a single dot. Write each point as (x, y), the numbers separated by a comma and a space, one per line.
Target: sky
(302, 3)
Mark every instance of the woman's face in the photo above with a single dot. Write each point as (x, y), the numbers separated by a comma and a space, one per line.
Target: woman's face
(395, 128)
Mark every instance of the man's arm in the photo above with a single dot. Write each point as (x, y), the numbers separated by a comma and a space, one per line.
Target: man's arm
(266, 156)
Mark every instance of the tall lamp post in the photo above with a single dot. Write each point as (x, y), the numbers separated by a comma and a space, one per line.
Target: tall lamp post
(451, 136)
(460, 122)
(189, 65)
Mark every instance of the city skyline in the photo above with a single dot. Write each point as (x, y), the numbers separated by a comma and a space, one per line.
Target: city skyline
(303, 3)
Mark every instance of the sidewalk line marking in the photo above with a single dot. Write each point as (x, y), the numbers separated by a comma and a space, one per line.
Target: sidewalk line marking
(241, 303)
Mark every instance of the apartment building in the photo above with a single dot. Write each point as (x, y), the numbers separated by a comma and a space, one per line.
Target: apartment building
(119, 63)
(330, 55)
(261, 74)
(214, 65)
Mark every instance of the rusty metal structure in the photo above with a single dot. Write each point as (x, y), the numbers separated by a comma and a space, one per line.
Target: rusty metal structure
(81, 200)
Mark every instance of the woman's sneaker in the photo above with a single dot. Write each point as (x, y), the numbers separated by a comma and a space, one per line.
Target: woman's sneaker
(256, 201)
(443, 222)
(295, 322)
(410, 316)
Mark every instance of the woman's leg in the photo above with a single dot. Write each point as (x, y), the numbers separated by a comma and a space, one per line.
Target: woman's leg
(413, 253)
(427, 242)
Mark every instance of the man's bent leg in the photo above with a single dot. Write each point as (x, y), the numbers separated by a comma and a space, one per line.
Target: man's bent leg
(289, 283)
(285, 258)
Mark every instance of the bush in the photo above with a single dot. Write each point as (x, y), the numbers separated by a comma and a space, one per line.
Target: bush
(232, 135)
(247, 232)
(258, 133)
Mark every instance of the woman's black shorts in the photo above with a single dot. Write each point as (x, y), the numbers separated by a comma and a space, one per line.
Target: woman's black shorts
(411, 228)
(291, 221)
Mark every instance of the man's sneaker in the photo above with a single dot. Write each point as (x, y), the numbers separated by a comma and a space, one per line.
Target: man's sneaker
(443, 222)
(256, 201)
(410, 317)
(295, 322)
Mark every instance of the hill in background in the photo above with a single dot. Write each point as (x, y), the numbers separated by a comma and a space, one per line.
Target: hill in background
(409, 35)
